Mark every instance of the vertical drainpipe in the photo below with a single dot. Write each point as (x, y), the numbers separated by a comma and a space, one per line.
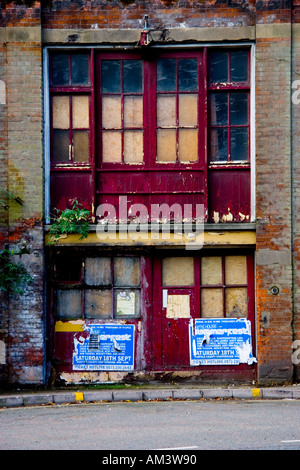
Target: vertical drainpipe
(46, 192)
(292, 176)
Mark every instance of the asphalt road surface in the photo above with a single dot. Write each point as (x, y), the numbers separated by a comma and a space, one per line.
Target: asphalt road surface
(170, 427)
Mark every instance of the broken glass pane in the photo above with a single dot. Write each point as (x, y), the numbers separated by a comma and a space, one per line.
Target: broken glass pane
(166, 75)
(218, 67)
(80, 69)
(219, 109)
(239, 66)
(111, 76)
(60, 69)
(218, 145)
(238, 108)
(239, 144)
(187, 75)
(132, 76)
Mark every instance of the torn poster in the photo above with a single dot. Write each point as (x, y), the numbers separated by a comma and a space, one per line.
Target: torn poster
(218, 341)
(104, 347)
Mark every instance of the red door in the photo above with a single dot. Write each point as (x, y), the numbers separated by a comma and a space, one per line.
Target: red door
(174, 306)
(186, 287)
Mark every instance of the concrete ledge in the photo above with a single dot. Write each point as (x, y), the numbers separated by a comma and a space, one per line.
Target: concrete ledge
(157, 395)
(104, 395)
(64, 398)
(11, 401)
(271, 393)
(187, 394)
(58, 397)
(38, 399)
(131, 395)
(217, 393)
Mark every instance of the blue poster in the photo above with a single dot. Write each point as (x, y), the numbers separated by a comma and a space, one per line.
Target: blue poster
(104, 347)
(220, 341)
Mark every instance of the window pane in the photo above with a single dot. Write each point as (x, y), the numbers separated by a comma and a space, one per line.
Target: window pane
(187, 75)
(61, 112)
(111, 112)
(127, 272)
(60, 146)
(98, 271)
(236, 302)
(188, 110)
(166, 75)
(166, 145)
(69, 304)
(211, 270)
(218, 145)
(111, 76)
(127, 302)
(188, 145)
(211, 303)
(80, 69)
(178, 271)
(238, 108)
(239, 144)
(218, 67)
(132, 76)
(236, 270)
(112, 146)
(133, 147)
(80, 111)
(68, 269)
(60, 69)
(239, 66)
(81, 146)
(166, 110)
(219, 109)
(98, 303)
(133, 111)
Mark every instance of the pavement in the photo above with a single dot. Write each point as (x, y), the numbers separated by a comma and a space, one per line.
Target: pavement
(144, 393)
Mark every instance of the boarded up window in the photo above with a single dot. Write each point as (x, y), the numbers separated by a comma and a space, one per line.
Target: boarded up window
(178, 271)
(109, 287)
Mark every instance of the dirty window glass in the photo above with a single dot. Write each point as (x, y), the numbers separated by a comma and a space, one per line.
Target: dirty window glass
(239, 66)
(60, 69)
(111, 76)
(132, 76)
(166, 75)
(80, 69)
(218, 67)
